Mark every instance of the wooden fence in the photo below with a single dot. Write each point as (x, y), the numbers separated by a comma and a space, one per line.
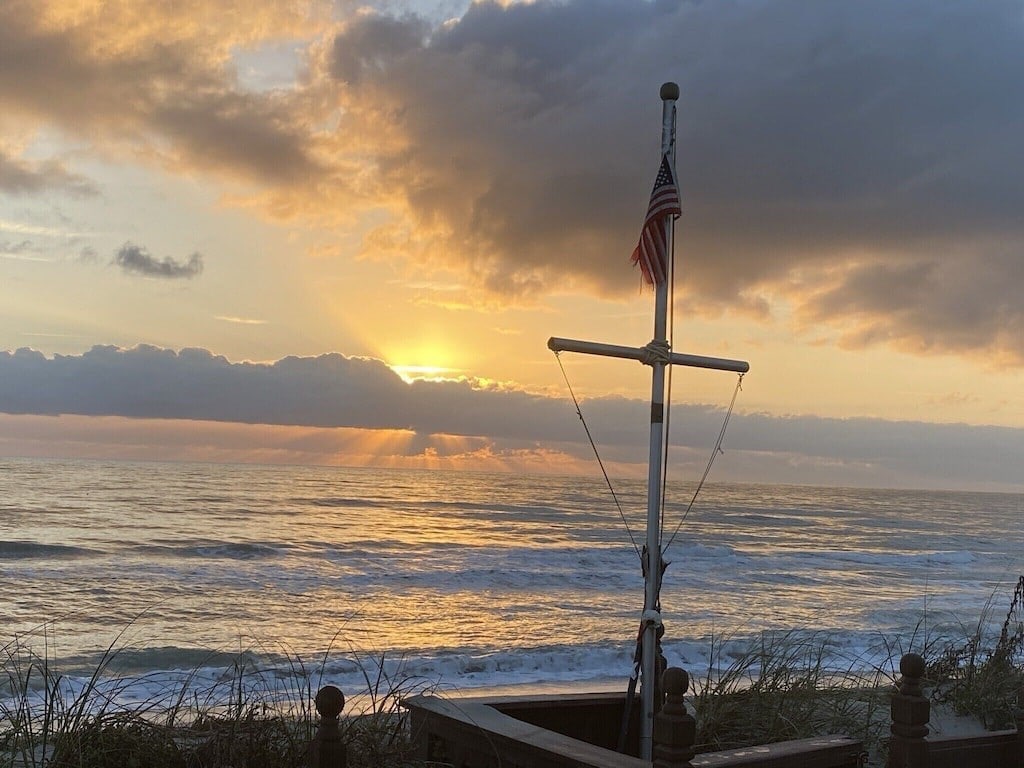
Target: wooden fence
(911, 747)
(578, 731)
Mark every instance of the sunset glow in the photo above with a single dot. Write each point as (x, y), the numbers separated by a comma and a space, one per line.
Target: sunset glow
(366, 222)
(411, 373)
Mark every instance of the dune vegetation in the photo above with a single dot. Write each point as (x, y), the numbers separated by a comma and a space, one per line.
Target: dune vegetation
(782, 686)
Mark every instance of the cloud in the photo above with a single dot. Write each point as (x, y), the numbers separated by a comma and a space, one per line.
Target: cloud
(21, 177)
(23, 250)
(372, 44)
(135, 260)
(816, 139)
(325, 391)
(824, 148)
(239, 320)
(19, 248)
(959, 305)
(459, 419)
(153, 79)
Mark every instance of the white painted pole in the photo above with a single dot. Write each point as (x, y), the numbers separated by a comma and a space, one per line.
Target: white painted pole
(652, 582)
(557, 344)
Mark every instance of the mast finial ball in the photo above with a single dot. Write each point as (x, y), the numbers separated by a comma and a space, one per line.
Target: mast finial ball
(669, 92)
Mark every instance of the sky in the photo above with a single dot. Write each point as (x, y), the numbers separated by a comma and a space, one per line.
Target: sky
(305, 231)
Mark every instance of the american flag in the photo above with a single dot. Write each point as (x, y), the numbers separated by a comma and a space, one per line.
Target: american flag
(651, 253)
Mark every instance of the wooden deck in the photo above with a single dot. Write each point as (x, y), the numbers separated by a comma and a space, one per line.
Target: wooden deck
(577, 731)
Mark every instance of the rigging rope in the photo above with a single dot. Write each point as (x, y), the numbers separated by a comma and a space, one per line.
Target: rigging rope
(607, 479)
(714, 454)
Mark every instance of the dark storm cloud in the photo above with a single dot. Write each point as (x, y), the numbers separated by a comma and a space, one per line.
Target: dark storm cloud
(21, 177)
(135, 260)
(371, 44)
(957, 304)
(848, 137)
(237, 131)
(337, 391)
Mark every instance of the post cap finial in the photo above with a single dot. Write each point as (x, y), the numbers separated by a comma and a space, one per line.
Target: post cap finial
(329, 701)
(669, 92)
(912, 665)
(675, 681)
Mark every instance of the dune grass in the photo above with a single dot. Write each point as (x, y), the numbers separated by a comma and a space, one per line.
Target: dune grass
(780, 687)
(784, 687)
(983, 675)
(250, 716)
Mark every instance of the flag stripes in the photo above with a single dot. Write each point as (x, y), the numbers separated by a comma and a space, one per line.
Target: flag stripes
(651, 253)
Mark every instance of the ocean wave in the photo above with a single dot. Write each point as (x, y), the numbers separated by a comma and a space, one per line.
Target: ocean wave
(26, 550)
(130, 661)
(889, 559)
(157, 676)
(343, 502)
(227, 550)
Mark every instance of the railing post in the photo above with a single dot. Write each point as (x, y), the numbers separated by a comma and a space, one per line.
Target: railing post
(327, 749)
(675, 730)
(1018, 715)
(910, 714)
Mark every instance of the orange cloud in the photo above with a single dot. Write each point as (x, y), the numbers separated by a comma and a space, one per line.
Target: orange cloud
(153, 80)
(117, 438)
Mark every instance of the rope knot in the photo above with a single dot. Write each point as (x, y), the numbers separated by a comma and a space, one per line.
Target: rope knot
(651, 617)
(656, 351)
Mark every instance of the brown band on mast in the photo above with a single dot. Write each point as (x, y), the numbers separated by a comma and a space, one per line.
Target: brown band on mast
(657, 413)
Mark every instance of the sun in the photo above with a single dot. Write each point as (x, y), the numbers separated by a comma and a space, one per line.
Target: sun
(411, 373)
(431, 361)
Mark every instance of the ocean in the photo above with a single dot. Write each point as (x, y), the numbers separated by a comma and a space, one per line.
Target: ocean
(468, 582)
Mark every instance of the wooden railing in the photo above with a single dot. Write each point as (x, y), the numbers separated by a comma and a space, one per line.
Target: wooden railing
(911, 747)
(558, 732)
(477, 733)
